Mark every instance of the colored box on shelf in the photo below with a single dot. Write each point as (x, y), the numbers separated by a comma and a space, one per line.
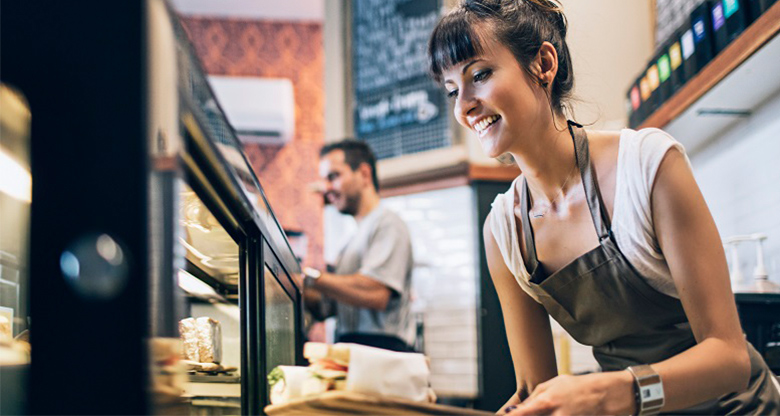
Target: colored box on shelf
(703, 32)
(645, 94)
(688, 47)
(755, 8)
(677, 77)
(664, 75)
(653, 82)
(737, 15)
(720, 35)
(634, 105)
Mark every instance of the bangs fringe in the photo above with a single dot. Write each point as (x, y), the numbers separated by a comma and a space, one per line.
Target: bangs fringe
(453, 41)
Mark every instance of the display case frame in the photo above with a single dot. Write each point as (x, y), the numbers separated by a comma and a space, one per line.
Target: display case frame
(101, 165)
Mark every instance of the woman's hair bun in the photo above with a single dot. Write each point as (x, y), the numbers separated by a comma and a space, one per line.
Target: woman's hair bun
(484, 7)
(554, 12)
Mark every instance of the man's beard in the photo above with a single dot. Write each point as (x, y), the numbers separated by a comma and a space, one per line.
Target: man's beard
(351, 204)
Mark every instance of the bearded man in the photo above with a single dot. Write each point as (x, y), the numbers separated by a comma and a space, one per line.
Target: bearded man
(370, 284)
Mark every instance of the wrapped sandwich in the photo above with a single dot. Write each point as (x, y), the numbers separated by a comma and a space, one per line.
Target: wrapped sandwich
(201, 340)
(356, 368)
(209, 340)
(327, 371)
(188, 332)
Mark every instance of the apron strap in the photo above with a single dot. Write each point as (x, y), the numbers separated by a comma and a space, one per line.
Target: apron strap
(590, 182)
(592, 194)
(528, 233)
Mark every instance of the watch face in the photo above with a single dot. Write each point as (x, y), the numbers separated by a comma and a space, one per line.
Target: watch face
(652, 392)
(312, 272)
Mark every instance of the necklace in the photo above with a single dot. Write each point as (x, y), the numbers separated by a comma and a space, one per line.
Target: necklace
(560, 192)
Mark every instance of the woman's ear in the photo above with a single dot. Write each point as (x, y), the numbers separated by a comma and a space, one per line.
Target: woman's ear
(547, 63)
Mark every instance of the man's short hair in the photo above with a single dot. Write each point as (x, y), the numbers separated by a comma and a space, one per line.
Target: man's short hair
(355, 153)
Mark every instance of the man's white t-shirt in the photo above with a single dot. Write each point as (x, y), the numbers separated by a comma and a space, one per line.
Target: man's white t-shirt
(381, 249)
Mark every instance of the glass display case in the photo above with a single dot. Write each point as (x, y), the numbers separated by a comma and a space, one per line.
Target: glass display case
(160, 280)
(233, 242)
(15, 199)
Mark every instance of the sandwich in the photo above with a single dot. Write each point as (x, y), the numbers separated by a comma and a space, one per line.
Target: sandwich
(354, 368)
(327, 371)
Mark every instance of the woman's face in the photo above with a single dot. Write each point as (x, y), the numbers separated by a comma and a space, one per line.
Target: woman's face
(495, 98)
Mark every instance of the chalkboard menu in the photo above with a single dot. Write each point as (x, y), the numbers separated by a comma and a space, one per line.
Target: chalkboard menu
(398, 108)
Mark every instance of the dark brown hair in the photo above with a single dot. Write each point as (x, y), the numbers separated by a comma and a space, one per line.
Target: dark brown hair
(356, 152)
(521, 25)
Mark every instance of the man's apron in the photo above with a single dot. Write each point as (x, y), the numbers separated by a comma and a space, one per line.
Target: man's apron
(601, 301)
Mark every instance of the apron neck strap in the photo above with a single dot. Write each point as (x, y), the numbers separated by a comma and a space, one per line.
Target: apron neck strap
(528, 232)
(589, 181)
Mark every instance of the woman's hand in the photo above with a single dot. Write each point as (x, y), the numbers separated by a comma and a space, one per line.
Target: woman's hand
(591, 394)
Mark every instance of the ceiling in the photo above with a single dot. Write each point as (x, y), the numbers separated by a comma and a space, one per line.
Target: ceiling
(309, 10)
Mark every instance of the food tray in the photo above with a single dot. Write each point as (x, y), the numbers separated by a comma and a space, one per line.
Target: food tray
(346, 402)
(208, 378)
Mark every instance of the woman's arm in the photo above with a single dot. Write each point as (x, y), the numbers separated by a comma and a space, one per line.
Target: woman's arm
(527, 326)
(718, 363)
(687, 235)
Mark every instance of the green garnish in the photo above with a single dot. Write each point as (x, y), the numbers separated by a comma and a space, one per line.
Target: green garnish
(276, 375)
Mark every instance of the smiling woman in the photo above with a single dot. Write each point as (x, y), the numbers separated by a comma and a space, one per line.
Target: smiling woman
(503, 50)
(523, 27)
(624, 256)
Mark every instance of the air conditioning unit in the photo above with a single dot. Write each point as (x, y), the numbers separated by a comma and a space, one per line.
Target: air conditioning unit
(261, 110)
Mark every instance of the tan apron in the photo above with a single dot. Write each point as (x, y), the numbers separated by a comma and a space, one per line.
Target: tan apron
(602, 301)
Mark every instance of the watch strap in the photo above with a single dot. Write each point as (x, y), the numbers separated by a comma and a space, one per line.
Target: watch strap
(310, 275)
(649, 389)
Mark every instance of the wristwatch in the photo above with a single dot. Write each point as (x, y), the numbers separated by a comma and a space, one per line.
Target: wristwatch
(648, 388)
(310, 275)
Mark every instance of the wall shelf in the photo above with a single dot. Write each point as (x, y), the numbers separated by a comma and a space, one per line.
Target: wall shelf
(737, 81)
(437, 169)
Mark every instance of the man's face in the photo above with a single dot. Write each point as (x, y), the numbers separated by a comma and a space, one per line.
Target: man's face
(342, 184)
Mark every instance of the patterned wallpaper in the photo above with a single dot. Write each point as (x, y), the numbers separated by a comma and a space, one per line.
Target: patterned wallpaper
(277, 49)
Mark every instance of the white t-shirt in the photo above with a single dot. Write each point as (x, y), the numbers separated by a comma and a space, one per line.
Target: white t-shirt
(639, 155)
(381, 249)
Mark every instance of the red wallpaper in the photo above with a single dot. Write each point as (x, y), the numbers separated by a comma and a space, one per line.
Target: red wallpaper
(277, 49)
